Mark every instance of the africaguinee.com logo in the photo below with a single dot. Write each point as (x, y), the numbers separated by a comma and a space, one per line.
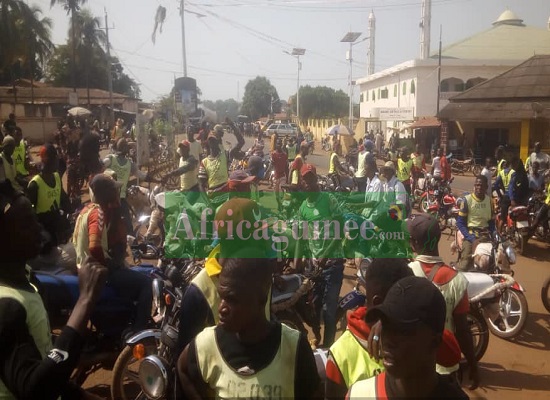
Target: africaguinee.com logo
(323, 225)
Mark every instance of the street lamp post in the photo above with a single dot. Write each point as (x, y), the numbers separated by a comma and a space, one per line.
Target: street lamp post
(297, 52)
(350, 38)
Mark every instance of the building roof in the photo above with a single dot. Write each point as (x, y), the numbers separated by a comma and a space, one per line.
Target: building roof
(509, 96)
(426, 122)
(508, 39)
(57, 95)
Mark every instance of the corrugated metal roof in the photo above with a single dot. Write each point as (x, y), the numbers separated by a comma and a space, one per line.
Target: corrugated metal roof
(501, 42)
(493, 111)
(57, 95)
(426, 122)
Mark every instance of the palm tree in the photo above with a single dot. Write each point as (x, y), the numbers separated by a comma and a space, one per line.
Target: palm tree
(72, 7)
(24, 40)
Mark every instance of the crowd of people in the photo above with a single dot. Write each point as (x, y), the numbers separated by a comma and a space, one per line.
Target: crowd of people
(405, 342)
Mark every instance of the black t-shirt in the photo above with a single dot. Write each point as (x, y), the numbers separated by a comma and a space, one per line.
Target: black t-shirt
(260, 355)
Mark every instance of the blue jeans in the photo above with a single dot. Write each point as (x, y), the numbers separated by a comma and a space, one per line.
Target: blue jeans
(333, 275)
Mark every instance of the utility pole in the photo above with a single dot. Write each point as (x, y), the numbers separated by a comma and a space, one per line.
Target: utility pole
(439, 73)
(109, 75)
(182, 12)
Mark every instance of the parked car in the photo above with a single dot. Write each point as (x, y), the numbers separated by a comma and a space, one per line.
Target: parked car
(281, 129)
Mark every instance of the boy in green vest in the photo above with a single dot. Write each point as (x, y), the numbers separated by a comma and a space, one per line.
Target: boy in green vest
(246, 355)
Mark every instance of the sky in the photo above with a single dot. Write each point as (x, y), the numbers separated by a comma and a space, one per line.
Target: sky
(233, 41)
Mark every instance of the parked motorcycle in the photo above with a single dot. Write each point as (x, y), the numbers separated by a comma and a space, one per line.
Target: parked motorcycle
(517, 227)
(112, 316)
(507, 315)
(446, 211)
(542, 232)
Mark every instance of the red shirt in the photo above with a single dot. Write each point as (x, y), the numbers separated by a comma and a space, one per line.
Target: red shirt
(445, 169)
(280, 163)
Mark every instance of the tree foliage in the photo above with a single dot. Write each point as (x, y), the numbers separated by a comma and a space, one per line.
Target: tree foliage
(259, 98)
(25, 41)
(321, 102)
(224, 108)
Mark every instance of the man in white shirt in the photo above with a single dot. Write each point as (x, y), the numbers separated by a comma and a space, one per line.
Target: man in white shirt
(487, 173)
(542, 158)
(436, 164)
(394, 191)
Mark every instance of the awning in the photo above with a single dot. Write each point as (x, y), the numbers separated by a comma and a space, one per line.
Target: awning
(493, 111)
(426, 122)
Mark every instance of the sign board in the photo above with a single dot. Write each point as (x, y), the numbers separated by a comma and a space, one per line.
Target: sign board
(186, 95)
(73, 99)
(396, 114)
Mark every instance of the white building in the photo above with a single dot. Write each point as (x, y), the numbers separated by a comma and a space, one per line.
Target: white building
(399, 95)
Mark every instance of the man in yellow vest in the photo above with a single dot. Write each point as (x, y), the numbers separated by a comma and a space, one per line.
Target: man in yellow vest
(8, 170)
(499, 156)
(188, 172)
(31, 367)
(201, 301)
(124, 168)
(501, 186)
(475, 221)
(20, 155)
(246, 355)
(213, 170)
(50, 202)
(413, 322)
(404, 169)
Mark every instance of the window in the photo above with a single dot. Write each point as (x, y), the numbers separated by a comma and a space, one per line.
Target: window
(361, 98)
(404, 87)
(394, 90)
(413, 87)
(384, 93)
(373, 96)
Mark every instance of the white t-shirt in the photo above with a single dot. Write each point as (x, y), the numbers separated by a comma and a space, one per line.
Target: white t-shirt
(489, 175)
(436, 164)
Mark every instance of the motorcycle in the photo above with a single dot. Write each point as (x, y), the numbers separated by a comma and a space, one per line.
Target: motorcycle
(433, 193)
(145, 368)
(446, 211)
(110, 319)
(545, 294)
(517, 227)
(542, 232)
(506, 313)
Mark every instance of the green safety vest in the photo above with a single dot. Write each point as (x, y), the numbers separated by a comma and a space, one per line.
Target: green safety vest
(123, 172)
(331, 164)
(216, 169)
(189, 178)
(275, 381)
(479, 212)
(353, 360)
(49, 198)
(10, 171)
(37, 323)
(81, 239)
(19, 156)
(499, 166)
(506, 177)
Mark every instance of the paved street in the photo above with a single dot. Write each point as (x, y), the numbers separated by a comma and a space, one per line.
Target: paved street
(516, 369)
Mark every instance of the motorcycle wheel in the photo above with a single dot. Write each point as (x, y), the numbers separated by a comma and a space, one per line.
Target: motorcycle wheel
(125, 384)
(426, 201)
(480, 333)
(520, 242)
(545, 294)
(512, 315)
(476, 170)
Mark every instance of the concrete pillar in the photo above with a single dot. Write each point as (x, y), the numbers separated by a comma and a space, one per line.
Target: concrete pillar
(524, 139)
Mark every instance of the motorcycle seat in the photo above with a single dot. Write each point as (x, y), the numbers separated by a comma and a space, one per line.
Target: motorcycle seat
(477, 283)
(292, 284)
(515, 211)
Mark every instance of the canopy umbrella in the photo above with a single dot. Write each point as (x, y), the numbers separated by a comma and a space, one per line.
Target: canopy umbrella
(338, 129)
(79, 112)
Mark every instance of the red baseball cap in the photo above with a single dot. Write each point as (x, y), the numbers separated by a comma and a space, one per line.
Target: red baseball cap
(185, 143)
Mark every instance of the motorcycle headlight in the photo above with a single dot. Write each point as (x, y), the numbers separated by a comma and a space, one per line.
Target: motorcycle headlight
(511, 254)
(153, 377)
(158, 296)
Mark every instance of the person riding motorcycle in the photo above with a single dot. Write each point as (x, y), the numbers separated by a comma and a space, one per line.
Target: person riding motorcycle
(31, 367)
(99, 232)
(475, 221)
(542, 215)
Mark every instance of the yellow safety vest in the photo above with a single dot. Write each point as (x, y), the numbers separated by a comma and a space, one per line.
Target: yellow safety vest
(353, 360)
(195, 150)
(49, 198)
(19, 156)
(404, 169)
(10, 171)
(418, 160)
(207, 282)
(506, 177)
(547, 201)
(499, 166)
(189, 178)
(452, 292)
(37, 323)
(216, 169)
(479, 212)
(123, 172)
(365, 389)
(331, 166)
(81, 239)
(275, 381)
(361, 167)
